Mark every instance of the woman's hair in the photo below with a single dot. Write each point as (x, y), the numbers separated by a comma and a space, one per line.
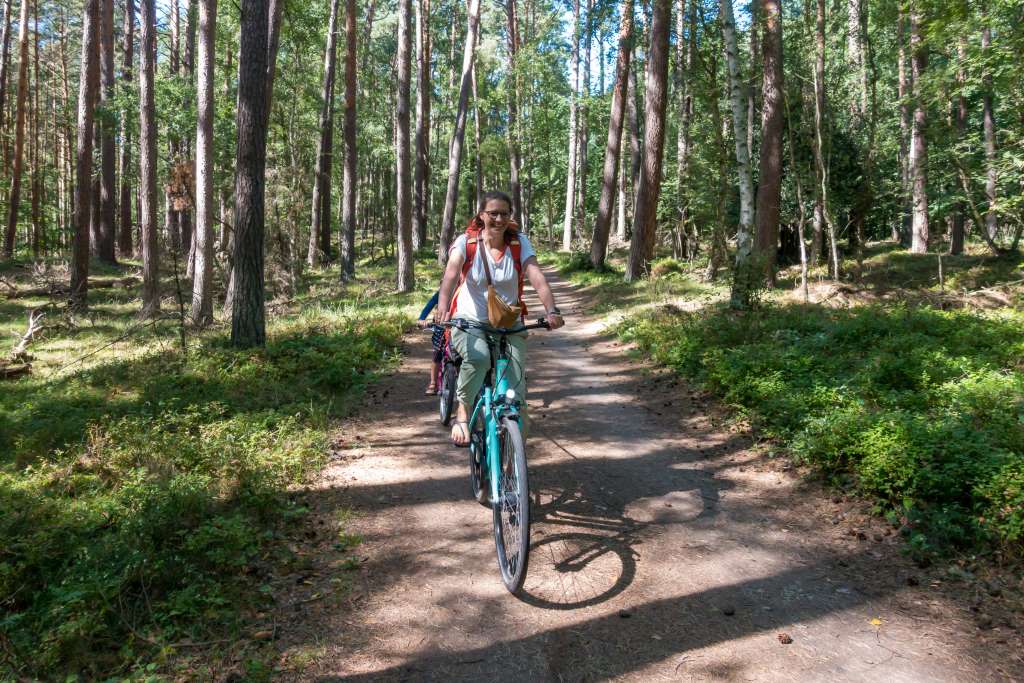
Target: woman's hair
(494, 194)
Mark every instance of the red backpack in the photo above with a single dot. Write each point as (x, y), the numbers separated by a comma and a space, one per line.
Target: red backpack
(472, 239)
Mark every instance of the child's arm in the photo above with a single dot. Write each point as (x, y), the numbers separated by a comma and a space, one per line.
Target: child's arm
(429, 307)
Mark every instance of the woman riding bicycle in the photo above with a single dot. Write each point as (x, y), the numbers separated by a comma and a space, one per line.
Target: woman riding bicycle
(496, 234)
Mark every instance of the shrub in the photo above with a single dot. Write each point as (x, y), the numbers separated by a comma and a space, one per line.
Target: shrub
(922, 410)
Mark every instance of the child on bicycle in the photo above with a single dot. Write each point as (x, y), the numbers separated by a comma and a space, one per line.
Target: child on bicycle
(436, 340)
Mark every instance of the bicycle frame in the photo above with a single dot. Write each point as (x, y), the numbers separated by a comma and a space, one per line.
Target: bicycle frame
(495, 404)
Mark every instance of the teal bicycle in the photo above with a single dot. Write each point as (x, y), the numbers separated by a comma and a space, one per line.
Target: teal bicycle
(497, 453)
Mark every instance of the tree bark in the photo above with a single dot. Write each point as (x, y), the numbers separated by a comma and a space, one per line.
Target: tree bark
(918, 141)
(125, 171)
(5, 51)
(645, 219)
(635, 149)
(88, 84)
(570, 172)
(459, 133)
(147, 162)
(989, 127)
(274, 9)
(421, 181)
(686, 22)
(248, 324)
(19, 133)
(583, 136)
(202, 282)
(349, 179)
(956, 233)
(769, 189)
(403, 176)
(822, 213)
(602, 224)
(108, 184)
(742, 278)
(320, 225)
(514, 154)
(902, 92)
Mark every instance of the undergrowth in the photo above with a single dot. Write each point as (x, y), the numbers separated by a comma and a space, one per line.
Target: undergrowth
(922, 410)
(918, 409)
(144, 497)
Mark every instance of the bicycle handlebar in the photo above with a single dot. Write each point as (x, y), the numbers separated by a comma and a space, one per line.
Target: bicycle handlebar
(464, 324)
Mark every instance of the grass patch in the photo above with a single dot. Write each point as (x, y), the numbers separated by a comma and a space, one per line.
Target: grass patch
(145, 493)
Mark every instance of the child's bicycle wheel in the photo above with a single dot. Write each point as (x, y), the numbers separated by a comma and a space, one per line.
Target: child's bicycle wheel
(446, 392)
(512, 508)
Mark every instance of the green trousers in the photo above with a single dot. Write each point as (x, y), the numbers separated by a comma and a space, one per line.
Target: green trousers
(476, 361)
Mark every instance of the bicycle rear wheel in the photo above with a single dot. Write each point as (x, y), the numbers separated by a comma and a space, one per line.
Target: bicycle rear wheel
(512, 508)
(446, 392)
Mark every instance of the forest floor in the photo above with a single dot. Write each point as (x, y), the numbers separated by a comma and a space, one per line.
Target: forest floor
(666, 546)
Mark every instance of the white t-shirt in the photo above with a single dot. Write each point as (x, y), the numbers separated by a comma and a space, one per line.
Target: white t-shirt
(471, 300)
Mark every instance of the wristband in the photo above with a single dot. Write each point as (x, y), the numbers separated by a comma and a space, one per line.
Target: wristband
(555, 311)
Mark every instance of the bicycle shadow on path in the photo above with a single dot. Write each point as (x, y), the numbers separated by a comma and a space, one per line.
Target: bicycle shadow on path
(662, 547)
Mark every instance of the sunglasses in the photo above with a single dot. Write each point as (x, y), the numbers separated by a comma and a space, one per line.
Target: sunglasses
(495, 215)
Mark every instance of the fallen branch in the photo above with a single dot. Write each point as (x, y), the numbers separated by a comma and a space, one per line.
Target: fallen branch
(12, 371)
(35, 319)
(63, 290)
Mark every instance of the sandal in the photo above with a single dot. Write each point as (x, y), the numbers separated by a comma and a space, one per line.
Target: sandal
(431, 390)
(464, 428)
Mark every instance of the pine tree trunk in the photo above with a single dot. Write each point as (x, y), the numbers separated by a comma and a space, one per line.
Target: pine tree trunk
(5, 53)
(631, 179)
(918, 141)
(645, 220)
(35, 176)
(248, 325)
(989, 128)
(19, 133)
(349, 179)
(320, 225)
(743, 277)
(718, 253)
(822, 214)
(602, 224)
(459, 133)
(147, 162)
(769, 189)
(956, 235)
(583, 137)
(406, 279)
(570, 174)
(421, 181)
(478, 171)
(274, 10)
(202, 282)
(515, 157)
(125, 171)
(902, 93)
(87, 92)
(108, 184)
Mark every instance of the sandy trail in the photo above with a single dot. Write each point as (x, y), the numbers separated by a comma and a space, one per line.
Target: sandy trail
(663, 549)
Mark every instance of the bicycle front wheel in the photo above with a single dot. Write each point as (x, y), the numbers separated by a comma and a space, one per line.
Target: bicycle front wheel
(512, 508)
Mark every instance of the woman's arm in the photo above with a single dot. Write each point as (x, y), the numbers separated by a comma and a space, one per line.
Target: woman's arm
(452, 273)
(540, 284)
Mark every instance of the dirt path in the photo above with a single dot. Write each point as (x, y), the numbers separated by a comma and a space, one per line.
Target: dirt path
(664, 549)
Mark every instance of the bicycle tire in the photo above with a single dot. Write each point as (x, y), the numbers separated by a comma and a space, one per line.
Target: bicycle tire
(477, 463)
(511, 512)
(446, 394)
